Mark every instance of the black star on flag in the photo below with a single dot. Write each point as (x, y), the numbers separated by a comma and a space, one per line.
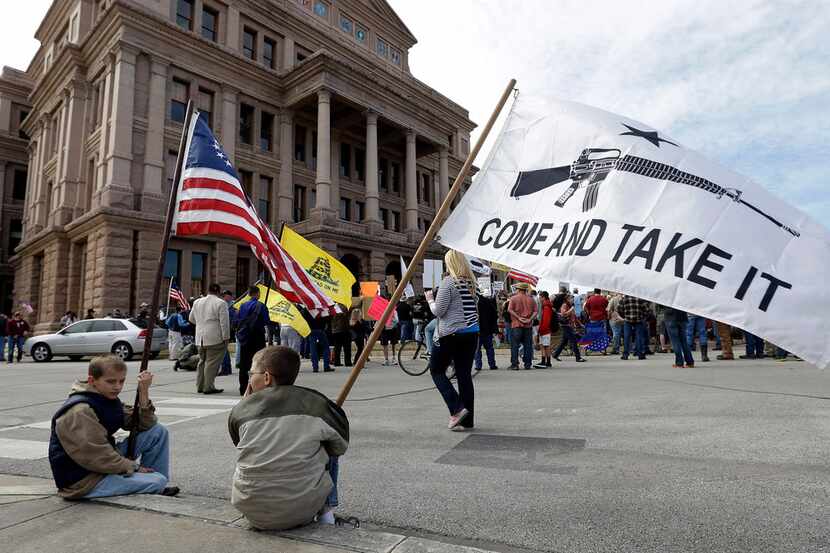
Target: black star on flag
(651, 136)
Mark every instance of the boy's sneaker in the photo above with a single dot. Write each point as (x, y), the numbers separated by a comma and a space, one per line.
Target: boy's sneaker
(514, 367)
(385, 363)
(457, 418)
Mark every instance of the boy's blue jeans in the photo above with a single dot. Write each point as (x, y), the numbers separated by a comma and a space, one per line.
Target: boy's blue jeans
(334, 468)
(319, 337)
(153, 447)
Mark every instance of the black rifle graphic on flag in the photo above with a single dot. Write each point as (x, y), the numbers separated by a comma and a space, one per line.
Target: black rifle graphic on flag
(594, 164)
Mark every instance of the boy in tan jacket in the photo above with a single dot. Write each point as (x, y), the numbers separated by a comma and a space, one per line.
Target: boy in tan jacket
(85, 459)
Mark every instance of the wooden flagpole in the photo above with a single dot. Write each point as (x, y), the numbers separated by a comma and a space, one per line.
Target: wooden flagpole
(151, 323)
(422, 248)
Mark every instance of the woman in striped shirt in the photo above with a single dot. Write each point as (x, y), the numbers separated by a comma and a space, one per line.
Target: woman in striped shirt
(456, 338)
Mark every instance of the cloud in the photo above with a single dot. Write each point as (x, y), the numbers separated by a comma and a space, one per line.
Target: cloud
(746, 83)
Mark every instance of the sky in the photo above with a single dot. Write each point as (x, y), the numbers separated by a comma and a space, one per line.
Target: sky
(747, 83)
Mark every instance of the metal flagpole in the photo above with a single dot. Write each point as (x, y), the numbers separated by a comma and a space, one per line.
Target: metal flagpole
(419, 254)
(151, 323)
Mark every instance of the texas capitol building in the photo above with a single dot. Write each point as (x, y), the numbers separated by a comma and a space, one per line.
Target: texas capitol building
(313, 100)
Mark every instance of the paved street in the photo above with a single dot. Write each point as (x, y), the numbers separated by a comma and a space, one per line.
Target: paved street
(603, 456)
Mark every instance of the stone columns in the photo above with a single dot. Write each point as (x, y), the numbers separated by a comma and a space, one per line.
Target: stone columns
(5, 114)
(69, 202)
(232, 29)
(288, 55)
(443, 175)
(117, 190)
(152, 193)
(335, 172)
(104, 132)
(371, 170)
(229, 113)
(411, 183)
(39, 191)
(323, 179)
(285, 186)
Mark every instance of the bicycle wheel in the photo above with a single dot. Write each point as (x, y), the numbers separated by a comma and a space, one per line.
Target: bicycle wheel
(413, 358)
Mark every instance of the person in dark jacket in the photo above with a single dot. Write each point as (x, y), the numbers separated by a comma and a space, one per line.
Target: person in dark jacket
(342, 337)
(250, 333)
(16, 330)
(318, 340)
(488, 322)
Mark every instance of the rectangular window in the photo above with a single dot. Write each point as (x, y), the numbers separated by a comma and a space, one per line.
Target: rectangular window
(360, 211)
(346, 209)
(249, 43)
(396, 178)
(321, 8)
(266, 132)
(21, 116)
(382, 48)
(206, 106)
(299, 143)
(246, 179)
(384, 216)
(264, 199)
(345, 160)
(395, 56)
(172, 264)
(299, 203)
(346, 24)
(360, 164)
(312, 199)
(198, 274)
(425, 188)
(210, 24)
(383, 175)
(269, 53)
(184, 14)
(19, 186)
(178, 101)
(15, 235)
(246, 123)
(450, 141)
(243, 267)
(396, 221)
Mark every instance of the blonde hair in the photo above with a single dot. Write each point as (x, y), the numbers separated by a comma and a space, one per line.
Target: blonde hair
(459, 268)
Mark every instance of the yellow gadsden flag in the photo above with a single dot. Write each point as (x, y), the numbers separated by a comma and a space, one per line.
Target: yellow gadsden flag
(331, 276)
(280, 310)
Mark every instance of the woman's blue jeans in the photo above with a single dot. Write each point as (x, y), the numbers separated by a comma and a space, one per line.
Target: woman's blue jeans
(677, 335)
(459, 349)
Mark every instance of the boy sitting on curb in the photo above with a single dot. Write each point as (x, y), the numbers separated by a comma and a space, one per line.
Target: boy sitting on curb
(288, 439)
(86, 462)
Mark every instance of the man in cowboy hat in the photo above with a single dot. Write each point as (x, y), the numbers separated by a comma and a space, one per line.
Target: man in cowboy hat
(522, 309)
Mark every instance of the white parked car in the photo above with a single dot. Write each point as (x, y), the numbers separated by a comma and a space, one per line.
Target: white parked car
(123, 337)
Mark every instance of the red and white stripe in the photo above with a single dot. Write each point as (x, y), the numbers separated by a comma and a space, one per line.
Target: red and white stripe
(214, 203)
(523, 277)
(178, 296)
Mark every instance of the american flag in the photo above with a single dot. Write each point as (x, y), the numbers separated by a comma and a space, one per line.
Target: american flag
(177, 296)
(523, 277)
(212, 201)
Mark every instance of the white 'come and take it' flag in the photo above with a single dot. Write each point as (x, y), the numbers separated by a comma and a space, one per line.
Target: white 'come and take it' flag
(574, 193)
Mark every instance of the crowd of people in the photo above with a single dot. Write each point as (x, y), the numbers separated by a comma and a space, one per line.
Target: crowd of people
(629, 326)
(289, 439)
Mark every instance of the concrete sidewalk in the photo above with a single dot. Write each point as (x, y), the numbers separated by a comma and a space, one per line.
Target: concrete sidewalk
(35, 520)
